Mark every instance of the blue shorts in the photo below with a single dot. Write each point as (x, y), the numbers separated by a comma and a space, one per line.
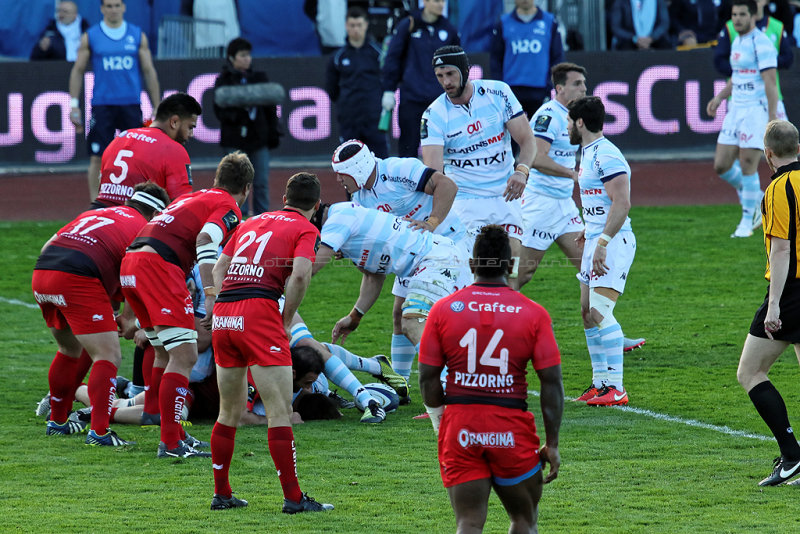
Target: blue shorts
(106, 120)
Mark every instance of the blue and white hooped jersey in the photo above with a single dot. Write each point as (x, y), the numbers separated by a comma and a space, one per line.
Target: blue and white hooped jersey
(375, 241)
(115, 62)
(477, 145)
(601, 161)
(751, 54)
(399, 189)
(550, 123)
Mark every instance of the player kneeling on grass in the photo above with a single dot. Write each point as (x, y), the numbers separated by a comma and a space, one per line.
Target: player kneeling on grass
(74, 281)
(486, 334)
(267, 256)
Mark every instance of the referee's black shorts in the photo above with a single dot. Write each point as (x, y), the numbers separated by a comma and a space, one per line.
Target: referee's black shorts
(790, 315)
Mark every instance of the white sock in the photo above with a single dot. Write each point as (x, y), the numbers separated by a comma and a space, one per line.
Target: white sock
(338, 373)
(597, 355)
(354, 362)
(733, 175)
(403, 352)
(751, 194)
(612, 345)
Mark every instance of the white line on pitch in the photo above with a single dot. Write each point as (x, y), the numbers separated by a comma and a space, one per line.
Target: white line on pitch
(19, 303)
(687, 422)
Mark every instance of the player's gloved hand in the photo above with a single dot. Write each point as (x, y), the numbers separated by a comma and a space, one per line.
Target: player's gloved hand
(387, 101)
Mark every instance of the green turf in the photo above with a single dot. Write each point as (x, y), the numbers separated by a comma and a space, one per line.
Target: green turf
(692, 292)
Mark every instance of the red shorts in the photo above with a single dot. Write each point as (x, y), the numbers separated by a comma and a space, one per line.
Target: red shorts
(71, 301)
(480, 441)
(156, 291)
(249, 332)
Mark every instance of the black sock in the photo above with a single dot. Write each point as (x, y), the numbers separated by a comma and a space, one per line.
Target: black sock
(772, 409)
(138, 358)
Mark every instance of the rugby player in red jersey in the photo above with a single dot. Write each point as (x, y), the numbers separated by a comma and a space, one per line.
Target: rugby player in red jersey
(74, 281)
(268, 256)
(486, 334)
(155, 153)
(153, 279)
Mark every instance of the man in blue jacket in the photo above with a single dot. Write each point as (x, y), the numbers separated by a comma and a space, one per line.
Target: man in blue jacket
(407, 65)
(353, 81)
(525, 45)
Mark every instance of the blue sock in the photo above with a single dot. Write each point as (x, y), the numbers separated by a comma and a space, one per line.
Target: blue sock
(751, 194)
(354, 362)
(733, 175)
(403, 352)
(612, 343)
(597, 355)
(338, 373)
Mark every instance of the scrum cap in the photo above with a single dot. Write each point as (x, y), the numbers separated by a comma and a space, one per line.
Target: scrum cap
(453, 56)
(359, 166)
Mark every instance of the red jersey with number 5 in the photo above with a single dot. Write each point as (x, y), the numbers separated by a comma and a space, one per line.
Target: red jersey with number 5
(486, 334)
(173, 233)
(139, 155)
(93, 245)
(262, 251)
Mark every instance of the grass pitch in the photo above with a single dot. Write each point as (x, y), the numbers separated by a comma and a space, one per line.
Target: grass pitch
(685, 458)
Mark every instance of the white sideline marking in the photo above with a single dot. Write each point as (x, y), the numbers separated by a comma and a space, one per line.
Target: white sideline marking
(687, 422)
(19, 303)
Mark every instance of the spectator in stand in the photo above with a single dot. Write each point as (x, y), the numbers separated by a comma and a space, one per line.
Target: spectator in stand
(252, 130)
(694, 22)
(783, 10)
(640, 24)
(61, 37)
(353, 81)
(525, 46)
(407, 65)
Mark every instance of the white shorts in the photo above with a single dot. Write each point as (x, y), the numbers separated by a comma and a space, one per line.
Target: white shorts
(443, 271)
(619, 258)
(745, 126)
(475, 213)
(400, 287)
(545, 219)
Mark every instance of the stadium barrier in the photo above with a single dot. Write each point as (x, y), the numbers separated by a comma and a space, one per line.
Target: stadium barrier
(655, 101)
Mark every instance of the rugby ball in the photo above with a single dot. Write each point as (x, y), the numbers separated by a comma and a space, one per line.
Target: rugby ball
(385, 395)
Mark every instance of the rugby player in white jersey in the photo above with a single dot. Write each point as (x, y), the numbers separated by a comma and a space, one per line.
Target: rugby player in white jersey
(549, 213)
(407, 188)
(608, 247)
(465, 134)
(754, 100)
(378, 244)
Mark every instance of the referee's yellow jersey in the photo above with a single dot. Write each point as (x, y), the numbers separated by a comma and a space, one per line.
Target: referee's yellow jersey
(781, 213)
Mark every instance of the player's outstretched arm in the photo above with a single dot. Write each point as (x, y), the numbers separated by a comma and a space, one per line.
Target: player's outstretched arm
(324, 256)
(443, 190)
(371, 285)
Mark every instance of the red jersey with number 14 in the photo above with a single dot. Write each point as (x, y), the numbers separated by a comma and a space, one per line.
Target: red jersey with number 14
(486, 334)
(93, 245)
(262, 251)
(173, 233)
(139, 155)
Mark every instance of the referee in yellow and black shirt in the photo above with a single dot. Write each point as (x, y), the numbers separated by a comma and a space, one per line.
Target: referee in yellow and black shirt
(777, 322)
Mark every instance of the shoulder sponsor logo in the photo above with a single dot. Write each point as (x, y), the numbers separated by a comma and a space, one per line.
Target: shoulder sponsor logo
(228, 322)
(423, 128)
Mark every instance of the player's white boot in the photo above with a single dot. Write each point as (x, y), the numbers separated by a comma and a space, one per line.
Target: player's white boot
(744, 228)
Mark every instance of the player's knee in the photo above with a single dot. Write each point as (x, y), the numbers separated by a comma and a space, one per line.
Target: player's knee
(602, 310)
(721, 167)
(175, 336)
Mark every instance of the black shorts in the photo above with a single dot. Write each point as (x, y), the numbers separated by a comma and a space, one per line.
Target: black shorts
(790, 315)
(106, 120)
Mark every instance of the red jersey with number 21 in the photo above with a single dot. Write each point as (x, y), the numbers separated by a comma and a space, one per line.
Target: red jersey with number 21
(486, 334)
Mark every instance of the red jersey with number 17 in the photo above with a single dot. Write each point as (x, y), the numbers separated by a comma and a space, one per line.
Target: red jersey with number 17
(486, 334)
(93, 245)
(173, 233)
(139, 155)
(262, 251)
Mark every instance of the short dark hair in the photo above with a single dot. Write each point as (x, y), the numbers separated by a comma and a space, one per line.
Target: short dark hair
(316, 406)
(357, 12)
(302, 190)
(558, 74)
(153, 190)
(591, 110)
(306, 360)
(319, 217)
(234, 173)
(751, 5)
(237, 45)
(180, 104)
(492, 251)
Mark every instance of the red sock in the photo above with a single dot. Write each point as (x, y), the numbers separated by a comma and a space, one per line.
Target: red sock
(151, 405)
(102, 390)
(223, 439)
(284, 456)
(62, 387)
(82, 366)
(171, 396)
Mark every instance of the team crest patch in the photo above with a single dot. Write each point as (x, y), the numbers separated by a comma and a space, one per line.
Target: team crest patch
(423, 129)
(542, 123)
(230, 220)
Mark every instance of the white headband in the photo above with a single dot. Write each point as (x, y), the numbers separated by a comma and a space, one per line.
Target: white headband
(148, 200)
(359, 166)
